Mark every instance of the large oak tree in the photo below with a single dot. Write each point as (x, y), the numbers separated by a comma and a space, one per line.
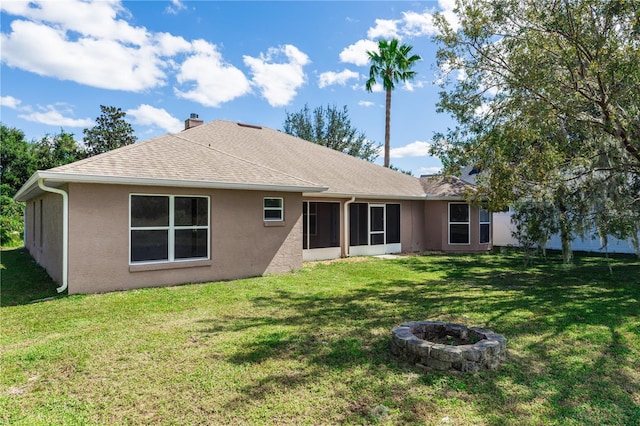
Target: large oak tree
(331, 127)
(546, 94)
(110, 132)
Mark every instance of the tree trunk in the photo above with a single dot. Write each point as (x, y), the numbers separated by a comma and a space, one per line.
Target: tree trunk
(387, 129)
(565, 237)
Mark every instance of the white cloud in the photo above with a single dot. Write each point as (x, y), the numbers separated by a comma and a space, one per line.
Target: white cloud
(431, 170)
(376, 88)
(330, 78)
(414, 149)
(357, 53)
(10, 102)
(483, 110)
(447, 7)
(418, 24)
(385, 28)
(278, 82)
(175, 7)
(170, 45)
(410, 86)
(366, 103)
(50, 115)
(89, 43)
(147, 115)
(212, 81)
(98, 20)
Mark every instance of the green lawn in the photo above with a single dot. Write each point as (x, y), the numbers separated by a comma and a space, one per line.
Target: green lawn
(311, 347)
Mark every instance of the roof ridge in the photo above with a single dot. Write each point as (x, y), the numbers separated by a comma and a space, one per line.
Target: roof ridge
(244, 159)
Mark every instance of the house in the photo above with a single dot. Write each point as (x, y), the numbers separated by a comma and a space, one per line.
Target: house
(225, 200)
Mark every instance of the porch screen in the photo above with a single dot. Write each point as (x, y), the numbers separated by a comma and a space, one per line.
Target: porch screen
(393, 223)
(374, 224)
(359, 224)
(321, 225)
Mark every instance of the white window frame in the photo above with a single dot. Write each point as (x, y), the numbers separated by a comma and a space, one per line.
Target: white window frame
(171, 228)
(312, 232)
(265, 209)
(480, 210)
(384, 224)
(468, 223)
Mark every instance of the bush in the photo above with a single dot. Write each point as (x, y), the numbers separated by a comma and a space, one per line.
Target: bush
(11, 219)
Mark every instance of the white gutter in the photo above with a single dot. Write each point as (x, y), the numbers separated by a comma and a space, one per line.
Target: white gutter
(346, 225)
(23, 193)
(65, 231)
(364, 196)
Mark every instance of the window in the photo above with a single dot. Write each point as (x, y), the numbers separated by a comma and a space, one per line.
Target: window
(459, 223)
(485, 226)
(273, 209)
(168, 228)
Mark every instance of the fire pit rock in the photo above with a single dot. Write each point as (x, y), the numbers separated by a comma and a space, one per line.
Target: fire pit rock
(445, 346)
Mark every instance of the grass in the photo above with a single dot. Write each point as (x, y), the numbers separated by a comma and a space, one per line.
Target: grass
(311, 347)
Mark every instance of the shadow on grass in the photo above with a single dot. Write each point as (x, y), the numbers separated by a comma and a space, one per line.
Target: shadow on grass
(23, 280)
(572, 337)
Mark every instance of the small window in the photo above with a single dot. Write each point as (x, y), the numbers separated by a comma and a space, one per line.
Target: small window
(485, 226)
(273, 210)
(459, 224)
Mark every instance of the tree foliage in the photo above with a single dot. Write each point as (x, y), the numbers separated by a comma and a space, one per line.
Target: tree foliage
(56, 150)
(19, 160)
(391, 64)
(546, 94)
(17, 163)
(110, 132)
(330, 127)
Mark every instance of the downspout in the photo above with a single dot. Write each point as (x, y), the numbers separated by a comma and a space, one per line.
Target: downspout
(25, 237)
(65, 231)
(346, 225)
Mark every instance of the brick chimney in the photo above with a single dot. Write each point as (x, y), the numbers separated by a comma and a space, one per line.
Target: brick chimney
(192, 121)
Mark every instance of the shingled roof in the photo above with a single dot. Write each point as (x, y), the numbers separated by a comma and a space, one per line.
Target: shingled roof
(224, 154)
(446, 187)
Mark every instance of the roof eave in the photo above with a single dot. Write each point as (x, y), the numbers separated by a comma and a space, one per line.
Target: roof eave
(364, 196)
(445, 198)
(32, 183)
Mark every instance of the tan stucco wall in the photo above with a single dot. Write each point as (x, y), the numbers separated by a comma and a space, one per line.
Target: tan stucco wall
(436, 222)
(412, 231)
(43, 233)
(241, 244)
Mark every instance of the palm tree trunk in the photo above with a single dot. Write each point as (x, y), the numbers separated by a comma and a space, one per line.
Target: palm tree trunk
(387, 129)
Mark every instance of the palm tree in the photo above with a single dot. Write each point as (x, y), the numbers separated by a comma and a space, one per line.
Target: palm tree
(392, 64)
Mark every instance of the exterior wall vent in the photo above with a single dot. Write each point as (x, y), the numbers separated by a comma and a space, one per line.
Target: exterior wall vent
(251, 126)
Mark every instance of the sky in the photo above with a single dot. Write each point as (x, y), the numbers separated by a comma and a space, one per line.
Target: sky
(250, 62)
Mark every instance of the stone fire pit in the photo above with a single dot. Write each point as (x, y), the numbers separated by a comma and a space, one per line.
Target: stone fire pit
(444, 346)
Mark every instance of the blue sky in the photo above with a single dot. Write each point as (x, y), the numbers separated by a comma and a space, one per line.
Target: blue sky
(242, 61)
